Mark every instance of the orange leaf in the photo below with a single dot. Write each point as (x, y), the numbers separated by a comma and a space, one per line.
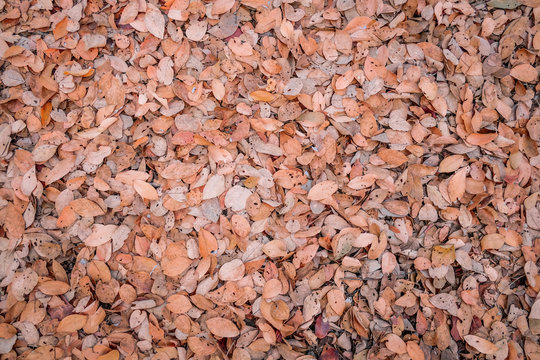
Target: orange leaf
(322, 190)
(262, 95)
(100, 235)
(222, 327)
(145, 190)
(524, 73)
(60, 30)
(415, 351)
(481, 139)
(111, 355)
(271, 289)
(482, 345)
(395, 344)
(46, 114)
(492, 242)
(54, 287)
(451, 163)
(393, 157)
(72, 323)
(207, 243)
(67, 217)
(7, 331)
(178, 304)
(201, 346)
(336, 300)
(86, 208)
(456, 184)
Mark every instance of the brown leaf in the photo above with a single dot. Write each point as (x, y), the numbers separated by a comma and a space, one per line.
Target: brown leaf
(492, 242)
(222, 6)
(101, 234)
(395, 344)
(53, 287)
(145, 190)
(322, 190)
(222, 327)
(72, 323)
(129, 13)
(155, 22)
(482, 345)
(456, 184)
(85, 207)
(524, 72)
(178, 304)
(451, 163)
(207, 243)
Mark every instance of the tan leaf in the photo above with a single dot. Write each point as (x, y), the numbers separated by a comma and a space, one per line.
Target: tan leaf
(482, 345)
(178, 304)
(492, 242)
(207, 243)
(53, 287)
(86, 208)
(222, 6)
(232, 271)
(415, 351)
(201, 346)
(322, 190)
(336, 300)
(524, 73)
(393, 157)
(481, 139)
(155, 22)
(395, 344)
(275, 248)
(145, 190)
(388, 263)
(222, 327)
(451, 163)
(240, 225)
(271, 288)
(129, 13)
(72, 323)
(429, 88)
(456, 184)
(362, 182)
(443, 255)
(29, 181)
(214, 187)
(100, 235)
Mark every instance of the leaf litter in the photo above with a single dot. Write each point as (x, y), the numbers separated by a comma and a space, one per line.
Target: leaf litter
(269, 179)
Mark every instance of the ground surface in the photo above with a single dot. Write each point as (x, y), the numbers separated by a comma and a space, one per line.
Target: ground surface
(249, 179)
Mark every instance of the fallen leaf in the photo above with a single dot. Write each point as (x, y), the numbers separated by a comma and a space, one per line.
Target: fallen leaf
(482, 345)
(222, 327)
(322, 190)
(145, 190)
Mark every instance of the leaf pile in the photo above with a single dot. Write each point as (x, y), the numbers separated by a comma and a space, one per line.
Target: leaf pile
(265, 179)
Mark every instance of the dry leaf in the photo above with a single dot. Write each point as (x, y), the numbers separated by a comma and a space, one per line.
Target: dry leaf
(322, 190)
(207, 243)
(155, 22)
(524, 72)
(145, 190)
(72, 323)
(482, 345)
(222, 327)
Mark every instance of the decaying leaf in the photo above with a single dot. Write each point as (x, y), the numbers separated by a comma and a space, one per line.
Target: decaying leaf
(482, 345)
(269, 179)
(222, 327)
